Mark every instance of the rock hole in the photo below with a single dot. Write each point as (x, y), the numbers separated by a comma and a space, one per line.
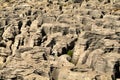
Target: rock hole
(93, 17)
(50, 2)
(117, 33)
(51, 68)
(119, 50)
(53, 79)
(119, 19)
(69, 49)
(101, 16)
(2, 44)
(66, 0)
(12, 39)
(108, 50)
(64, 50)
(6, 21)
(29, 12)
(44, 56)
(108, 37)
(2, 77)
(106, 2)
(4, 59)
(65, 31)
(53, 53)
(48, 5)
(28, 23)
(116, 70)
(103, 12)
(72, 44)
(20, 23)
(60, 8)
(37, 42)
(43, 32)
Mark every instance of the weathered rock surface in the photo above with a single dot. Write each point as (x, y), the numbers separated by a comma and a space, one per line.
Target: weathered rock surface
(59, 39)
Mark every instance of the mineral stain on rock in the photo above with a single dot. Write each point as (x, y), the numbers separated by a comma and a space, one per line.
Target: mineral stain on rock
(59, 39)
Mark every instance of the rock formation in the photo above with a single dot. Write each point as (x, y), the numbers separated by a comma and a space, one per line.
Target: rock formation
(59, 39)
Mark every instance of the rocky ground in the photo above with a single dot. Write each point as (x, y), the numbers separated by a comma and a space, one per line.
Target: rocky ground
(59, 39)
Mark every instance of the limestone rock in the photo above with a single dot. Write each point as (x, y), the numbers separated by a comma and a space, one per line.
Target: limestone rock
(65, 74)
(34, 26)
(10, 33)
(59, 40)
(2, 59)
(64, 60)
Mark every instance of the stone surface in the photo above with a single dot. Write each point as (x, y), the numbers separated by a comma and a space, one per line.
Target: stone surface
(59, 39)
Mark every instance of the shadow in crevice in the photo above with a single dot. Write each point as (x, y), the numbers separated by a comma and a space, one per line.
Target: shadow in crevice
(29, 22)
(20, 23)
(69, 48)
(116, 70)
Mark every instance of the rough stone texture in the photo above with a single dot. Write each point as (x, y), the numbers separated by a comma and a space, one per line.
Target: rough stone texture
(59, 39)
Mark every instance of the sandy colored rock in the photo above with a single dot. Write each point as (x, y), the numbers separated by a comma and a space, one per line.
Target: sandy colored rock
(59, 39)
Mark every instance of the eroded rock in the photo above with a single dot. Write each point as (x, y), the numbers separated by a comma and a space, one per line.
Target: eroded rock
(59, 40)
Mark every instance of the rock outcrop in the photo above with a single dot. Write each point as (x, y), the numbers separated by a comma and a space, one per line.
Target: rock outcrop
(59, 39)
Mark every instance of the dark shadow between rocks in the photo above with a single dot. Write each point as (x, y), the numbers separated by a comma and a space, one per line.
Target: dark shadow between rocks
(116, 70)
(20, 23)
(28, 23)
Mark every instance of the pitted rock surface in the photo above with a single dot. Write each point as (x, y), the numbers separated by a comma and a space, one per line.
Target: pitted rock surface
(59, 39)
